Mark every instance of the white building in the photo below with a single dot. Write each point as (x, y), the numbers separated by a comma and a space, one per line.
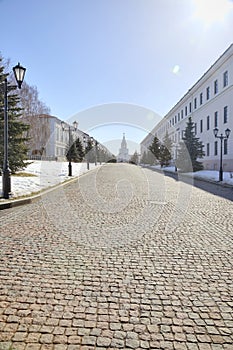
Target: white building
(48, 138)
(210, 104)
(123, 155)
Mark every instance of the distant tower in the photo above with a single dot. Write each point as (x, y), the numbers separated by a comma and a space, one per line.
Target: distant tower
(123, 155)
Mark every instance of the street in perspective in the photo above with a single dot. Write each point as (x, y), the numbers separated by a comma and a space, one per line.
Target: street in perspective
(123, 257)
(116, 175)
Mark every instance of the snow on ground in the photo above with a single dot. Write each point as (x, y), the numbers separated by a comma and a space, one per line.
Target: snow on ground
(46, 174)
(211, 175)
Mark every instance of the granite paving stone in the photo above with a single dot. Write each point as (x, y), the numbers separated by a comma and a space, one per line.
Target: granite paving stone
(121, 258)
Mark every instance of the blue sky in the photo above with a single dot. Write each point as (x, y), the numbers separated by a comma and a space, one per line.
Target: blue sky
(90, 55)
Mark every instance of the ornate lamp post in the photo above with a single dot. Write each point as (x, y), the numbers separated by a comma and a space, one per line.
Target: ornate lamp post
(69, 129)
(19, 73)
(221, 137)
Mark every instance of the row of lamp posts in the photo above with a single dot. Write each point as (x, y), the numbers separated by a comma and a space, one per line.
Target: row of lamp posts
(86, 139)
(69, 129)
(19, 73)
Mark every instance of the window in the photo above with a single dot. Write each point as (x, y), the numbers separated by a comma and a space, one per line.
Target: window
(175, 119)
(225, 112)
(201, 125)
(172, 121)
(215, 148)
(207, 149)
(208, 93)
(225, 78)
(182, 114)
(195, 128)
(216, 86)
(190, 107)
(201, 98)
(178, 116)
(216, 119)
(208, 122)
(195, 103)
(186, 110)
(225, 146)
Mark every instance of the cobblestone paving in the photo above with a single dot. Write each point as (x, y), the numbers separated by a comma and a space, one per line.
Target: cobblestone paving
(123, 258)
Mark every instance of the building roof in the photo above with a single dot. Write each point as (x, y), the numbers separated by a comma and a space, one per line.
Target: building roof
(227, 53)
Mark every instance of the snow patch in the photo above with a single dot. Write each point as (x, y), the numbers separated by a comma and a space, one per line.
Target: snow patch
(47, 174)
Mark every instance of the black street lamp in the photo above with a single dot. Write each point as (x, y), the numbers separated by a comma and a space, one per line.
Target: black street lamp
(70, 129)
(221, 137)
(19, 73)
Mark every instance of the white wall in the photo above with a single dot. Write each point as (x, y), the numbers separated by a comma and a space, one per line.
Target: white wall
(174, 123)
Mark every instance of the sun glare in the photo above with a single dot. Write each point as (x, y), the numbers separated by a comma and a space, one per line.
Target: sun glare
(176, 69)
(211, 11)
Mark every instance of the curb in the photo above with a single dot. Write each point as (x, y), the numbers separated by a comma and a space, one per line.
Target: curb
(12, 203)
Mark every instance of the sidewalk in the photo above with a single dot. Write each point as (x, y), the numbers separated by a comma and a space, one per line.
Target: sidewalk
(211, 176)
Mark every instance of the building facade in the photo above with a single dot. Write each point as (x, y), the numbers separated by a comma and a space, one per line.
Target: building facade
(48, 139)
(210, 104)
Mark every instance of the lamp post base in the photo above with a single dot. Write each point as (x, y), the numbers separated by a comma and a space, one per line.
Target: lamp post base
(220, 175)
(69, 169)
(6, 183)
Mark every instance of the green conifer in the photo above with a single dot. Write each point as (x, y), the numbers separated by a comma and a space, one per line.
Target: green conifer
(165, 151)
(17, 149)
(191, 149)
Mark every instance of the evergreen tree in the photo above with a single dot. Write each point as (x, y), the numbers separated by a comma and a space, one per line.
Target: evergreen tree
(90, 151)
(134, 158)
(71, 150)
(102, 156)
(155, 148)
(165, 151)
(17, 149)
(80, 150)
(75, 152)
(190, 150)
(143, 159)
(149, 158)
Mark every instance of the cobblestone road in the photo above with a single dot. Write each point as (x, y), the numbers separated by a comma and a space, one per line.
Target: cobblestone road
(123, 258)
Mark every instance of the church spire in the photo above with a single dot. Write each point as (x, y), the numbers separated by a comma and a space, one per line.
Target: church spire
(123, 151)
(123, 142)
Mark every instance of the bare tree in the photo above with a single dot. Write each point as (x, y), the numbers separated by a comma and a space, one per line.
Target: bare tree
(30, 102)
(29, 97)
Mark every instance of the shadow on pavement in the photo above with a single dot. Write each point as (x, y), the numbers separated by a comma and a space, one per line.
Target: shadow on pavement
(214, 188)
